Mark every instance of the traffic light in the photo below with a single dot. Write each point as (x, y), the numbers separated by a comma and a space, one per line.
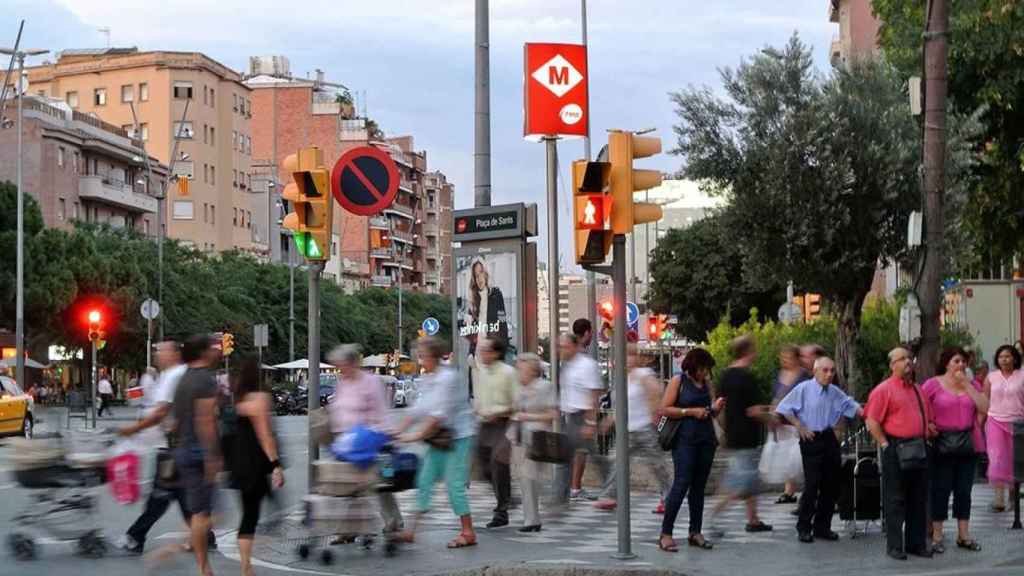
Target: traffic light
(813, 307)
(227, 343)
(623, 148)
(591, 208)
(606, 310)
(310, 200)
(653, 328)
(95, 318)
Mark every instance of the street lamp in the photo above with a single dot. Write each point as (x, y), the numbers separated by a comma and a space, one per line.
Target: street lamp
(19, 339)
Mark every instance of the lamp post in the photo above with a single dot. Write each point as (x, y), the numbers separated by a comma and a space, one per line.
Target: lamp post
(19, 315)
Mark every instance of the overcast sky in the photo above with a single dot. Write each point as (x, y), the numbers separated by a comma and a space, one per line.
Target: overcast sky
(415, 58)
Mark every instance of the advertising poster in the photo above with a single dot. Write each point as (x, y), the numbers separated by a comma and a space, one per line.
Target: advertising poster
(487, 302)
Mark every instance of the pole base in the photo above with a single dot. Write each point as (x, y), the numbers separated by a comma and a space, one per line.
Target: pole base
(624, 556)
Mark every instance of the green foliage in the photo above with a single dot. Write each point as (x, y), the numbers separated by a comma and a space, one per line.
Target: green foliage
(986, 76)
(227, 292)
(697, 274)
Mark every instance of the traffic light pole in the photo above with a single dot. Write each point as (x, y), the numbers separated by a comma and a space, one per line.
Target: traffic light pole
(552, 165)
(92, 395)
(621, 399)
(313, 372)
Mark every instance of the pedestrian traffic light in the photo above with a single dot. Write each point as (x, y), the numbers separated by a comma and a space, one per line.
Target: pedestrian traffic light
(591, 204)
(623, 148)
(606, 310)
(95, 318)
(653, 328)
(310, 200)
(813, 307)
(227, 343)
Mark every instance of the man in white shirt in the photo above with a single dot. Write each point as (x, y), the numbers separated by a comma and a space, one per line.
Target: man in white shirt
(155, 424)
(581, 389)
(106, 391)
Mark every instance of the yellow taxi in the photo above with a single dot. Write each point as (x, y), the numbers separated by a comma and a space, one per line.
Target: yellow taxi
(15, 409)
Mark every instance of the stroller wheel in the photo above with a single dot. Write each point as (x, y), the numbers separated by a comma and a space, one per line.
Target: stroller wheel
(99, 547)
(326, 557)
(366, 542)
(390, 548)
(22, 547)
(303, 551)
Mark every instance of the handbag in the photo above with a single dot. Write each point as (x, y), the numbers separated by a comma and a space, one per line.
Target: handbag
(668, 428)
(913, 454)
(550, 447)
(166, 470)
(441, 439)
(955, 443)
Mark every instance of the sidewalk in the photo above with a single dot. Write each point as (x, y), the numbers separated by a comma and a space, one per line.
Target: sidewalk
(585, 537)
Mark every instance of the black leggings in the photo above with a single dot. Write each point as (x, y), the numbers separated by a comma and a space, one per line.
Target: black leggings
(252, 497)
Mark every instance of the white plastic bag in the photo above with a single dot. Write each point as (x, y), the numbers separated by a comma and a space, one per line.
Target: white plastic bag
(780, 458)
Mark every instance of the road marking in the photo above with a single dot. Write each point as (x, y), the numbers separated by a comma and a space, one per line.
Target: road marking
(8, 486)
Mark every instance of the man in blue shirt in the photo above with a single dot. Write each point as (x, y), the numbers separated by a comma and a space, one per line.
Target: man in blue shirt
(815, 407)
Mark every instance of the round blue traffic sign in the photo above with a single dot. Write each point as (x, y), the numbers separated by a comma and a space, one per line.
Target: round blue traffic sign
(431, 326)
(632, 314)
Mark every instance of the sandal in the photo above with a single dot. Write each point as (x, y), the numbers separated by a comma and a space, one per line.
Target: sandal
(938, 547)
(698, 541)
(670, 547)
(405, 537)
(461, 541)
(971, 545)
(786, 499)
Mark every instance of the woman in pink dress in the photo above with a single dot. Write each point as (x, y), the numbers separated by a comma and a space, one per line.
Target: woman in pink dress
(955, 405)
(1005, 389)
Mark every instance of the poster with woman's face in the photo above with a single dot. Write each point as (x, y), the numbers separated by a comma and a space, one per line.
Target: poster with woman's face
(487, 300)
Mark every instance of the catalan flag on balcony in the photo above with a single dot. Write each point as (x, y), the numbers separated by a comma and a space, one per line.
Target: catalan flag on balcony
(183, 187)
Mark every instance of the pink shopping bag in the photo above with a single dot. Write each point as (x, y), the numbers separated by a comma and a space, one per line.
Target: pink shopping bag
(123, 476)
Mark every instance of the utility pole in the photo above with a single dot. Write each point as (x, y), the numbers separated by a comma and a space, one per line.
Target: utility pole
(551, 145)
(591, 275)
(621, 394)
(936, 53)
(482, 155)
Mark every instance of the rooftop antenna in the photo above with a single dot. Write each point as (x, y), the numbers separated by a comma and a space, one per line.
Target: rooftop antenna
(106, 31)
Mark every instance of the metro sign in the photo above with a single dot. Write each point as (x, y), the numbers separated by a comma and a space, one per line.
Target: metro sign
(555, 91)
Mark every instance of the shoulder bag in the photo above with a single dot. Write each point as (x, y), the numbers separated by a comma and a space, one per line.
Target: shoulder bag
(440, 439)
(913, 454)
(550, 447)
(668, 428)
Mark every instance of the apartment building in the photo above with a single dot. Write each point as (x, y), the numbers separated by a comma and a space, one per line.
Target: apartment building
(858, 31)
(80, 168)
(187, 105)
(410, 242)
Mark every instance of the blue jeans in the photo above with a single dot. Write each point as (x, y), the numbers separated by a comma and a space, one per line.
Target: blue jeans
(692, 468)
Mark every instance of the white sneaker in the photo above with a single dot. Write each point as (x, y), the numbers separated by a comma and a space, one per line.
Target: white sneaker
(128, 544)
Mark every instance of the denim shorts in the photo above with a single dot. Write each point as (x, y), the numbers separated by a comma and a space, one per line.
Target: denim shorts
(741, 478)
(198, 493)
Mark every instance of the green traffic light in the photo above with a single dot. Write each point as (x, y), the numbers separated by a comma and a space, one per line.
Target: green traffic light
(312, 249)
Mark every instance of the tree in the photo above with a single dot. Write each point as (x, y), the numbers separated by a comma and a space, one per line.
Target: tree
(986, 77)
(820, 174)
(697, 274)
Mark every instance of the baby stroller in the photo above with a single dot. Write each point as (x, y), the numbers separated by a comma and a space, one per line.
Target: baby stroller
(344, 506)
(63, 500)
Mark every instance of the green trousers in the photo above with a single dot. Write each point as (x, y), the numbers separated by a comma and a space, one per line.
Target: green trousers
(452, 465)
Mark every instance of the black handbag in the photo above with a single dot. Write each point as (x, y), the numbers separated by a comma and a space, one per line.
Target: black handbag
(913, 454)
(441, 439)
(668, 428)
(550, 447)
(955, 443)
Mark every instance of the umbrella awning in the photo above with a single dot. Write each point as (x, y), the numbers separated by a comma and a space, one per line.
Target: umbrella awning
(302, 364)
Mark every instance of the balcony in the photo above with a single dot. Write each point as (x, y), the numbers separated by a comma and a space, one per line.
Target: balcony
(103, 189)
(406, 263)
(407, 185)
(380, 253)
(353, 130)
(835, 52)
(431, 278)
(381, 281)
(400, 210)
(399, 236)
(379, 223)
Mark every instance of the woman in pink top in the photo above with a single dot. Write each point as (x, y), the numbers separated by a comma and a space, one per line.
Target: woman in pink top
(1005, 391)
(359, 399)
(955, 406)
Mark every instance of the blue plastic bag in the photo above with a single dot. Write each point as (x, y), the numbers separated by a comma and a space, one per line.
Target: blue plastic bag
(360, 446)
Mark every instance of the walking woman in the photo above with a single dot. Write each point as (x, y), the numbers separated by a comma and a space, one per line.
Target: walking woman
(789, 375)
(688, 398)
(536, 408)
(255, 467)
(644, 394)
(446, 424)
(1004, 389)
(956, 404)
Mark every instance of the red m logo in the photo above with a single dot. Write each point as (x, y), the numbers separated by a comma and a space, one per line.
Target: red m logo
(558, 75)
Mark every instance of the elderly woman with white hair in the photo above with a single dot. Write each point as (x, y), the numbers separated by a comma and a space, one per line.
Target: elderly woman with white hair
(536, 408)
(360, 400)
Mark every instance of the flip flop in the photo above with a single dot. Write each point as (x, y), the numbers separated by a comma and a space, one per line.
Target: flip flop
(673, 547)
(461, 541)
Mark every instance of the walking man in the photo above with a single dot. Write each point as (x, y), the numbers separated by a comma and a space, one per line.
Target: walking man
(496, 384)
(814, 407)
(106, 391)
(897, 417)
(197, 454)
(744, 433)
(581, 389)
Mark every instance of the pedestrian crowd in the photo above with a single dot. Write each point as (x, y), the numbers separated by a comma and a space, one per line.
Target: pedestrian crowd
(515, 423)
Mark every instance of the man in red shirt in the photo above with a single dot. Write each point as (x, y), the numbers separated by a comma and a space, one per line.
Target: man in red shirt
(897, 418)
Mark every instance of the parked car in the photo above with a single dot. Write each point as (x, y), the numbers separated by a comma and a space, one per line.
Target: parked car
(406, 393)
(16, 409)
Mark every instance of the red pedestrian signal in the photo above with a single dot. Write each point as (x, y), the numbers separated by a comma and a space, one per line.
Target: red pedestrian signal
(95, 318)
(607, 310)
